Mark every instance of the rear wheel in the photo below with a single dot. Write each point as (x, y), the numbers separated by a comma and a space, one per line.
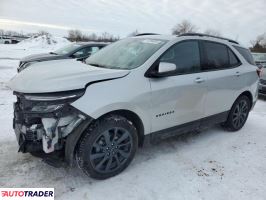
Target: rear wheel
(238, 114)
(107, 147)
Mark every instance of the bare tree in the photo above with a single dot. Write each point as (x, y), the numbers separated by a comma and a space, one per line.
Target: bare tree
(184, 27)
(77, 35)
(259, 44)
(213, 32)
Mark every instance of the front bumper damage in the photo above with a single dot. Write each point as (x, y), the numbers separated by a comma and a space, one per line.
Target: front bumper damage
(46, 130)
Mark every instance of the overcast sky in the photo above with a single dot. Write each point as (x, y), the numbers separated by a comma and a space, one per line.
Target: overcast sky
(238, 19)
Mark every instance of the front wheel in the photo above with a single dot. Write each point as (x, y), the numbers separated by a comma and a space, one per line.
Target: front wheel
(107, 147)
(238, 114)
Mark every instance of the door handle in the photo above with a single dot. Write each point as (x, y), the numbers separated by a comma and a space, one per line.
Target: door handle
(199, 80)
(237, 73)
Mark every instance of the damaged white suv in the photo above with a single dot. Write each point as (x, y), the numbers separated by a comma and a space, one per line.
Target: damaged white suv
(145, 87)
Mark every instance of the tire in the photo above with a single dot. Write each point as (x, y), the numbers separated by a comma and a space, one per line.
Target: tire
(38, 154)
(6, 42)
(107, 147)
(238, 114)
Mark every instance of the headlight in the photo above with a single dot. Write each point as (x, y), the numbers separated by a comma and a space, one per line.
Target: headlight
(56, 96)
(46, 108)
(47, 102)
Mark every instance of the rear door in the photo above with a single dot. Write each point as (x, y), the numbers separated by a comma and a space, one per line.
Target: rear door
(179, 98)
(222, 67)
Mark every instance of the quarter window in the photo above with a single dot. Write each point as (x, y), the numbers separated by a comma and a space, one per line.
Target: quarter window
(246, 54)
(185, 55)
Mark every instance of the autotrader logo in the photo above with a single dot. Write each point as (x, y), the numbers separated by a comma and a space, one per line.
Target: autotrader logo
(27, 193)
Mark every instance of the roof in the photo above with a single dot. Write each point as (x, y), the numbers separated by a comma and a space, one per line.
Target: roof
(189, 36)
(93, 43)
(156, 36)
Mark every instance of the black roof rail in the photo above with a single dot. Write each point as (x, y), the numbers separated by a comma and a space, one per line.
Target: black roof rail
(206, 35)
(141, 34)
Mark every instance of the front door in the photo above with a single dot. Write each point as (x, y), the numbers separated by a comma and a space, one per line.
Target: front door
(179, 98)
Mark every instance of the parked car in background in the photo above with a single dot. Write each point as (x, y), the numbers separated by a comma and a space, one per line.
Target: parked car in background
(260, 60)
(79, 51)
(144, 87)
(4, 40)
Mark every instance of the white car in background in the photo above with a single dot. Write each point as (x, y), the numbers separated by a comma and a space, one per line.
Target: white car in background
(4, 40)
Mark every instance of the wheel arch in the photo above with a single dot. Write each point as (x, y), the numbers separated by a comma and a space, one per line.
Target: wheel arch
(134, 118)
(248, 94)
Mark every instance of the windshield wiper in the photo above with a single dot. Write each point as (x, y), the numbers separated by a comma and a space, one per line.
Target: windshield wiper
(53, 53)
(96, 65)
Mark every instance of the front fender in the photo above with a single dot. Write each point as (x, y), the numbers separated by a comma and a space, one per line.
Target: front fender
(119, 94)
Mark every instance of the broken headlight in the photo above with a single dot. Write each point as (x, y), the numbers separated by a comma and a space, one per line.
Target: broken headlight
(46, 108)
(55, 96)
(49, 102)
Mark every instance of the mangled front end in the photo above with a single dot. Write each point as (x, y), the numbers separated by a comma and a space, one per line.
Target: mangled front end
(42, 122)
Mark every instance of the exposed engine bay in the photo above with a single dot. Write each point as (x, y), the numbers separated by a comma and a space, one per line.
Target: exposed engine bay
(42, 122)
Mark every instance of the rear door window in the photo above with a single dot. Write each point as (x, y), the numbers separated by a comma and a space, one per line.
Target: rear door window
(234, 61)
(216, 56)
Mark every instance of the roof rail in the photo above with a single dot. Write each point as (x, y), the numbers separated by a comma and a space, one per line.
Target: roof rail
(141, 34)
(206, 35)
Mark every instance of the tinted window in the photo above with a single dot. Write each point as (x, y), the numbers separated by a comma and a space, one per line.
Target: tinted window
(67, 49)
(185, 56)
(246, 54)
(234, 61)
(86, 52)
(216, 56)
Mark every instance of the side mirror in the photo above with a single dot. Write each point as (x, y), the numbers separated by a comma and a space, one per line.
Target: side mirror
(165, 67)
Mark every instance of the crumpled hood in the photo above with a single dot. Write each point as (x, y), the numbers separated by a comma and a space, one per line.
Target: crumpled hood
(60, 75)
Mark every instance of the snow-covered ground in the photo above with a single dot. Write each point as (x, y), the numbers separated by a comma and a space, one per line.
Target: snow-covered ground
(41, 44)
(213, 164)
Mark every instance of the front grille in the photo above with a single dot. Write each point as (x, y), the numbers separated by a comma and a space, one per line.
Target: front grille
(30, 136)
(262, 81)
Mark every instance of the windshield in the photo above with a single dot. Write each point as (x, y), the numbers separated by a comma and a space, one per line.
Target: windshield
(67, 49)
(259, 57)
(128, 53)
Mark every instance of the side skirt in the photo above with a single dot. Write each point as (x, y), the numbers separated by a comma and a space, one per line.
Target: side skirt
(200, 124)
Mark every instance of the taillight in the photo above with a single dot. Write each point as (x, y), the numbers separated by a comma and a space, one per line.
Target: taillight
(260, 72)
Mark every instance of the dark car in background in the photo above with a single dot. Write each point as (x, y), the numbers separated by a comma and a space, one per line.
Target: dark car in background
(260, 60)
(79, 51)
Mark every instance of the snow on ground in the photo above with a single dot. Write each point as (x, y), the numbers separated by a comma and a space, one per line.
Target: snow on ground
(212, 164)
(34, 45)
(43, 42)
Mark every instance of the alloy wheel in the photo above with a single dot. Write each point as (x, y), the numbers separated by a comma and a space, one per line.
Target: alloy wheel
(240, 113)
(111, 149)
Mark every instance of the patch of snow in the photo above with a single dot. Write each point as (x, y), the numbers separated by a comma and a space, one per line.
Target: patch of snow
(43, 41)
(34, 45)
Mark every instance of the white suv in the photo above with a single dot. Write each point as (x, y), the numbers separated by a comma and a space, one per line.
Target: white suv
(143, 87)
